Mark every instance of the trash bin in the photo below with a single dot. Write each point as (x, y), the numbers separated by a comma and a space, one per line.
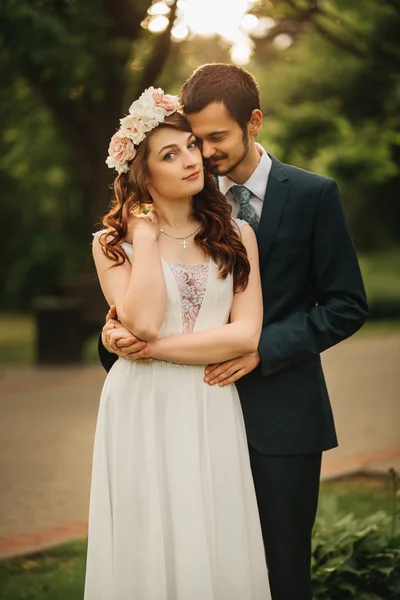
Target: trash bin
(59, 330)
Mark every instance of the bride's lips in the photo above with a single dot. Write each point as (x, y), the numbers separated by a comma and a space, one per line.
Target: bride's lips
(193, 175)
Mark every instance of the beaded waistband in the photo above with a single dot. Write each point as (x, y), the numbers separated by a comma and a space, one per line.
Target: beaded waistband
(168, 363)
(159, 362)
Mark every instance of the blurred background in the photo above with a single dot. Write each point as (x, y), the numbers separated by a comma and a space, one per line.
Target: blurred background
(329, 78)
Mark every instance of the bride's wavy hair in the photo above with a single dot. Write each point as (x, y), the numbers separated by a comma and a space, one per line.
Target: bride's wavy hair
(218, 235)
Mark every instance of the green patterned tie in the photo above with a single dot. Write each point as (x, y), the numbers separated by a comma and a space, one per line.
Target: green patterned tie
(246, 211)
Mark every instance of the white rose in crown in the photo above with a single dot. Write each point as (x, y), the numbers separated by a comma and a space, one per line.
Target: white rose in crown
(142, 109)
(146, 109)
(132, 127)
(114, 164)
(157, 116)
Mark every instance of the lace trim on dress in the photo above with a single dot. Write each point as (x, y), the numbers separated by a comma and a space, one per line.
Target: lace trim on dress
(192, 282)
(240, 223)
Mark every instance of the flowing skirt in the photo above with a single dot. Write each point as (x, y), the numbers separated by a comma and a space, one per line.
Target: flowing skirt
(173, 512)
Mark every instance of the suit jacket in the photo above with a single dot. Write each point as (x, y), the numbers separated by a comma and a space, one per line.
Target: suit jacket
(313, 298)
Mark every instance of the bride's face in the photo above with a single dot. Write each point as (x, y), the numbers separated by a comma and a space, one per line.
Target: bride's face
(175, 165)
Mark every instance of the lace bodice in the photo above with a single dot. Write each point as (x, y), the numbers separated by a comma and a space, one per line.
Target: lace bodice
(192, 282)
(197, 298)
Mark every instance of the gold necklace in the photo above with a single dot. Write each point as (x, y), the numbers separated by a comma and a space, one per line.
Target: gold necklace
(183, 238)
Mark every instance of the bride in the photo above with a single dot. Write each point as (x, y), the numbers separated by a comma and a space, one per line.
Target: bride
(173, 513)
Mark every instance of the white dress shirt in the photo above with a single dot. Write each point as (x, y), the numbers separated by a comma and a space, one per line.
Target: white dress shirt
(256, 183)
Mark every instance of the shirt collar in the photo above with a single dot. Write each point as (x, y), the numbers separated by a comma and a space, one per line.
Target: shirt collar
(257, 182)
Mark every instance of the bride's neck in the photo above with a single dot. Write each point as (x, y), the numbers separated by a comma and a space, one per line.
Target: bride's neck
(174, 215)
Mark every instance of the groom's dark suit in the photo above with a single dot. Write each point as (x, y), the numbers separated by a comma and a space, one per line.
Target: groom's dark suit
(313, 298)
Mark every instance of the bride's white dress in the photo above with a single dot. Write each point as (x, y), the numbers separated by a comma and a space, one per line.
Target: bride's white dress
(173, 512)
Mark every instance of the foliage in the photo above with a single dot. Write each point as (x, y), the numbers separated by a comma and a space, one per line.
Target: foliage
(40, 203)
(357, 557)
(66, 69)
(331, 106)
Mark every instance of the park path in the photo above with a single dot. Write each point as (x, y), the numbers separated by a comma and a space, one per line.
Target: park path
(47, 422)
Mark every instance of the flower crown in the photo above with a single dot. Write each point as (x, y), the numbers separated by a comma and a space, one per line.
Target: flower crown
(145, 114)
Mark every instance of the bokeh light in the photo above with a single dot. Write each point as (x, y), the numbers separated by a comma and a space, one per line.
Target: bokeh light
(283, 41)
(179, 32)
(240, 53)
(159, 8)
(249, 22)
(207, 18)
(158, 24)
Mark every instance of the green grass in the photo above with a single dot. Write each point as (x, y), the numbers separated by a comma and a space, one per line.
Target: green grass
(58, 574)
(378, 328)
(381, 274)
(17, 341)
(54, 575)
(361, 495)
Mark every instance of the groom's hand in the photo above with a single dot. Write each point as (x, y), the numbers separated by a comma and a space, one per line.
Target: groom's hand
(231, 370)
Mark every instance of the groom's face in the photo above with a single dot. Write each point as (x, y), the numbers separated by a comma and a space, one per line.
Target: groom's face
(224, 144)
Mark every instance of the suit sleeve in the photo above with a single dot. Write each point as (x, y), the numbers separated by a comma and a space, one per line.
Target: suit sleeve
(341, 306)
(107, 359)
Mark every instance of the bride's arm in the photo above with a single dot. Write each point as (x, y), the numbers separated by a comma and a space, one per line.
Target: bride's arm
(138, 289)
(240, 336)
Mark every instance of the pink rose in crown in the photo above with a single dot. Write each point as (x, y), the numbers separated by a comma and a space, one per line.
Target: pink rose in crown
(166, 101)
(121, 149)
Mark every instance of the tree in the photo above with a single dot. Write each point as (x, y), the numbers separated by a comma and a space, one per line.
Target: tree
(77, 57)
(68, 71)
(331, 106)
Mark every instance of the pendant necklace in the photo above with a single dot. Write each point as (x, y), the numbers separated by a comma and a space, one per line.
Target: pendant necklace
(183, 238)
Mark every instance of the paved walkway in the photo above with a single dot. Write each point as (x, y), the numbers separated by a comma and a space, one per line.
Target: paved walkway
(47, 422)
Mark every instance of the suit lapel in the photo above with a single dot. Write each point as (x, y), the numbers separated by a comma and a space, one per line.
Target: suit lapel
(274, 202)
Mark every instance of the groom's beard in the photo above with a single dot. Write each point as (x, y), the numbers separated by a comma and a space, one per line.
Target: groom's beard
(225, 170)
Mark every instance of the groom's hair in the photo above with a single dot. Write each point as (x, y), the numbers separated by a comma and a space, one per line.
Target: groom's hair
(233, 86)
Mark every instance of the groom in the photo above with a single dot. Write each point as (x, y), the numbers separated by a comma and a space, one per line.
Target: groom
(313, 298)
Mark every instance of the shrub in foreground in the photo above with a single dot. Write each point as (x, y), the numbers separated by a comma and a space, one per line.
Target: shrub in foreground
(356, 558)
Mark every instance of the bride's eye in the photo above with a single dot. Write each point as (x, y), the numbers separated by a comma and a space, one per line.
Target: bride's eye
(192, 145)
(169, 156)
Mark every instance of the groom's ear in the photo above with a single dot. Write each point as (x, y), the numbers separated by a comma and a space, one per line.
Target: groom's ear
(255, 122)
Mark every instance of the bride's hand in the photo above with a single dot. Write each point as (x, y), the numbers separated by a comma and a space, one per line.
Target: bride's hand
(143, 225)
(145, 354)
